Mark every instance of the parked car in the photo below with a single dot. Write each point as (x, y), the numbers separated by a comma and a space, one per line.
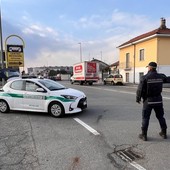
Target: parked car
(8, 73)
(72, 80)
(41, 95)
(114, 79)
(56, 78)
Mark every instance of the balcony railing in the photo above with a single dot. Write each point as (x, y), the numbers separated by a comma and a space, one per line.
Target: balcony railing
(126, 65)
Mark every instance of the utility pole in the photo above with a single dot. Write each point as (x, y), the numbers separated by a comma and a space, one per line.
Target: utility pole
(80, 52)
(1, 39)
(101, 55)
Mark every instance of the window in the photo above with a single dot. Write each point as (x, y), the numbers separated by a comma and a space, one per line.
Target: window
(118, 76)
(17, 85)
(31, 86)
(127, 60)
(141, 55)
(127, 77)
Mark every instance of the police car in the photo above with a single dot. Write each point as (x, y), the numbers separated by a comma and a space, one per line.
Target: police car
(41, 95)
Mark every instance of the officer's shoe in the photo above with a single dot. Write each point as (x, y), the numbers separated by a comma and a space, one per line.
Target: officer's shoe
(163, 134)
(143, 137)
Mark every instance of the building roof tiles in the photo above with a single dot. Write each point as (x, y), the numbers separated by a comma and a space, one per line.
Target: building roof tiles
(161, 30)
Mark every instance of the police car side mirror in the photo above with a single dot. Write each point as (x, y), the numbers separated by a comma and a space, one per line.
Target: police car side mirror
(40, 90)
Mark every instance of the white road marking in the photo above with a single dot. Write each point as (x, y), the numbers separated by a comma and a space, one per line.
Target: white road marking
(119, 91)
(129, 160)
(137, 166)
(87, 126)
(168, 98)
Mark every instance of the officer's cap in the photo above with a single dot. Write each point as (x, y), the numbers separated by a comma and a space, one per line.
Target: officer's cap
(152, 64)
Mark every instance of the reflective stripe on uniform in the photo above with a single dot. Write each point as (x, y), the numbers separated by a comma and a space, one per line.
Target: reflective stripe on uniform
(155, 81)
(154, 102)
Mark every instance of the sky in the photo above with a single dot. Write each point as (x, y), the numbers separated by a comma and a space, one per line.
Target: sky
(54, 31)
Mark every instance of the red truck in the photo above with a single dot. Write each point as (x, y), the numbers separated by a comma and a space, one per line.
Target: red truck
(86, 72)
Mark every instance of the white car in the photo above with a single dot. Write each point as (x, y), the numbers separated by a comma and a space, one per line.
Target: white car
(72, 79)
(41, 95)
(114, 79)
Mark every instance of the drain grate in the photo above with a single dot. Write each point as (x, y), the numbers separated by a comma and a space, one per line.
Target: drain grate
(126, 154)
(129, 155)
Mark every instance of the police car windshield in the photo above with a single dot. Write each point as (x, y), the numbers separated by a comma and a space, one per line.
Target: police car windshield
(51, 85)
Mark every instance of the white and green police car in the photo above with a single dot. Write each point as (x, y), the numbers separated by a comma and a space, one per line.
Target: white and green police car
(41, 95)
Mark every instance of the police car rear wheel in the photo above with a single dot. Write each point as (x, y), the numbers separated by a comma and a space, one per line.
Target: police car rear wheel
(4, 108)
(56, 109)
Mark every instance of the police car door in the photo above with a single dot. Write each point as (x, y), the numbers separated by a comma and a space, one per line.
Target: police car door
(32, 99)
(16, 91)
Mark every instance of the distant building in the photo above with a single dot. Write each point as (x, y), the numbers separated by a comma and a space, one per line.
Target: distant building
(104, 69)
(102, 65)
(45, 70)
(136, 53)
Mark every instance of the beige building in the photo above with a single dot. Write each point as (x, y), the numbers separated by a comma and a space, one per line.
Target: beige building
(136, 53)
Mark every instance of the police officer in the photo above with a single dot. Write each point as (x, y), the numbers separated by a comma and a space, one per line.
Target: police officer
(150, 89)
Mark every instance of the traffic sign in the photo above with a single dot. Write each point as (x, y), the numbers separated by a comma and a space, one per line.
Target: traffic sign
(15, 56)
(15, 63)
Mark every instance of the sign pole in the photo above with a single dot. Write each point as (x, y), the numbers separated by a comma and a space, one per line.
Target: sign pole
(14, 53)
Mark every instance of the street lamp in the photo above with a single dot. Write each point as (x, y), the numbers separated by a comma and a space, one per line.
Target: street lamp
(101, 55)
(80, 52)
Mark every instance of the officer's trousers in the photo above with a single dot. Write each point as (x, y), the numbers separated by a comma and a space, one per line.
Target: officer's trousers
(159, 112)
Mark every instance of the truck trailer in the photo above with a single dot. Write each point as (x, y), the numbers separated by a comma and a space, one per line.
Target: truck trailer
(86, 72)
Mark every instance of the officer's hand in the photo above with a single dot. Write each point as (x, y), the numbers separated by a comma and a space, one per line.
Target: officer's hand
(138, 101)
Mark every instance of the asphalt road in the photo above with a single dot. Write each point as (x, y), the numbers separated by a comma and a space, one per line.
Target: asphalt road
(103, 137)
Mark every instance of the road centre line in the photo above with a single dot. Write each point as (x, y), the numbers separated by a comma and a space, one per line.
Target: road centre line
(167, 98)
(111, 90)
(119, 91)
(87, 126)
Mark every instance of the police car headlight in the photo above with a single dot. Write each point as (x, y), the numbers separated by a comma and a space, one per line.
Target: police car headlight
(69, 97)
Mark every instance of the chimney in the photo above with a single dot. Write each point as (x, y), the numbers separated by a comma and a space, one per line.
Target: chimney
(163, 23)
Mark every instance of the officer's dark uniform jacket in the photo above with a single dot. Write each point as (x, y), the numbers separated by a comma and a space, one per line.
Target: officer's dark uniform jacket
(150, 87)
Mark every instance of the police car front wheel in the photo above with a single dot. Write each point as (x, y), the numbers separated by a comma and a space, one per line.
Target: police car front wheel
(4, 107)
(56, 109)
